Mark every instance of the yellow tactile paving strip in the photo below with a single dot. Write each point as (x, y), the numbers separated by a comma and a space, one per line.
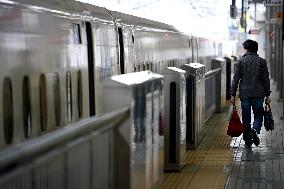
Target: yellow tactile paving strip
(208, 166)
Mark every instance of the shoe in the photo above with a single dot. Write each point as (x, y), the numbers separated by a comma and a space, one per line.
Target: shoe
(255, 138)
(256, 130)
(248, 144)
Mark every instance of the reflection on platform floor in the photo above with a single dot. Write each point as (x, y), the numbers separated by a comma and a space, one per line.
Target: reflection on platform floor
(209, 165)
(223, 162)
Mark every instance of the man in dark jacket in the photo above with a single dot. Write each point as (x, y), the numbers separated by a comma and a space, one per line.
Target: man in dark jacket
(252, 76)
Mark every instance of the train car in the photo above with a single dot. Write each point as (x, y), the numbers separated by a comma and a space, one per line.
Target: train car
(149, 45)
(55, 55)
(206, 51)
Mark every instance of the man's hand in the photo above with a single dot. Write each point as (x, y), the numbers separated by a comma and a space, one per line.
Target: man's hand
(233, 99)
(267, 100)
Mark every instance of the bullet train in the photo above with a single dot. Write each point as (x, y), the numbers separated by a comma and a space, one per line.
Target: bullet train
(56, 54)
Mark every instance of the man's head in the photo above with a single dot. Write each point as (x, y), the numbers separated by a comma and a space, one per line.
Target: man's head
(250, 46)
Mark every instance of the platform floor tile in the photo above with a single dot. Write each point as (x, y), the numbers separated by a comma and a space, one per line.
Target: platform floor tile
(209, 165)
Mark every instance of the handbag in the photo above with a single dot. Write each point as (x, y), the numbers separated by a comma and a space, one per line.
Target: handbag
(235, 127)
(268, 118)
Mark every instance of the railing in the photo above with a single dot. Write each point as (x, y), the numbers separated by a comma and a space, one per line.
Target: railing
(210, 92)
(212, 73)
(86, 154)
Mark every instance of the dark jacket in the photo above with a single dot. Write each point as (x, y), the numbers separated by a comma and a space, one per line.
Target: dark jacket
(252, 75)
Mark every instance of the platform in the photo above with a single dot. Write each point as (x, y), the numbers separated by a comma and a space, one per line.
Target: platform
(223, 162)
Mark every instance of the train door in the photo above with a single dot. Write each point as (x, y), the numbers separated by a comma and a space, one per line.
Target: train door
(194, 49)
(91, 68)
(126, 50)
(190, 45)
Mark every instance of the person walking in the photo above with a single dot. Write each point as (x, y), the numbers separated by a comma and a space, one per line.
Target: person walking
(252, 77)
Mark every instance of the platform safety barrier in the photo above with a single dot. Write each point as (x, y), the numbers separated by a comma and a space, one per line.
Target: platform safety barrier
(211, 94)
(229, 76)
(84, 154)
(195, 103)
(175, 118)
(143, 92)
(221, 83)
(234, 63)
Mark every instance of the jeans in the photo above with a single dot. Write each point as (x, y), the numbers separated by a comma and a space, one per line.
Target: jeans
(257, 107)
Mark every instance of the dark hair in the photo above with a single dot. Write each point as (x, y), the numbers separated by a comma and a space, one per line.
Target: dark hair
(250, 46)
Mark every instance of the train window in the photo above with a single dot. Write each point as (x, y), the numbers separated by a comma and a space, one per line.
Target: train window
(8, 114)
(134, 67)
(43, 102)
(121, 51)
(147, 66)
(91, 68)
(138, 68)
(132, 38)
(80, 94)
(77, 34)
(69, 96)
(27, 116)
(144, 67)
(56, 89)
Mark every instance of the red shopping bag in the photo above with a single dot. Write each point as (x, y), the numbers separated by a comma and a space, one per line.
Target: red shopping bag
(235, 127)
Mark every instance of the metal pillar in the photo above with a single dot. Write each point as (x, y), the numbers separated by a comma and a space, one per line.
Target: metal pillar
(281, 56)
(282, 52)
